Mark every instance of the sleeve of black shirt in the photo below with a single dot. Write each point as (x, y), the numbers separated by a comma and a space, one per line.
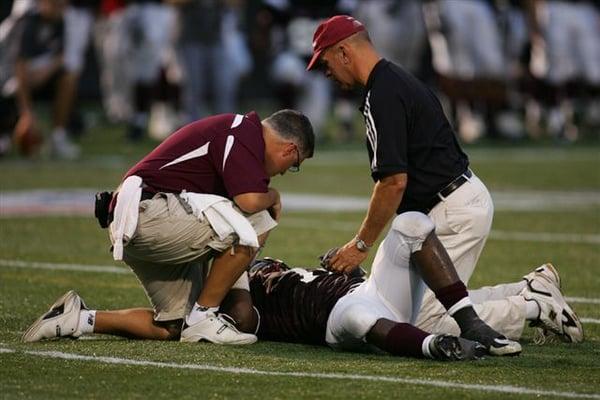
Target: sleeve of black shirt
(387, 115)
(27, 39)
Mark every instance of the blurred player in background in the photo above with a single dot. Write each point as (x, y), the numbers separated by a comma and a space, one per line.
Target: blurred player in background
(34, 68)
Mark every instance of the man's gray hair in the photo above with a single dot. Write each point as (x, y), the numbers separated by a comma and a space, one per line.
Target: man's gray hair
(294, 126)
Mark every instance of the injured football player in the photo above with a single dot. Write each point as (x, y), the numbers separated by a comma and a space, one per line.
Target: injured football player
(358, 313)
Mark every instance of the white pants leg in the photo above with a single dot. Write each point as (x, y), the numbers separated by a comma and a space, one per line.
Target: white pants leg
(507, 316)
(394, 288)
(78, 28)
(462, 223)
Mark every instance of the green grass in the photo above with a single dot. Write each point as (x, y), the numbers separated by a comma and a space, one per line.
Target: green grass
(27, 292)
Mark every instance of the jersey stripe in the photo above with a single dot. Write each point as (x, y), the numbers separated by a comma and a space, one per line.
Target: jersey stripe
(199, 152)
(228, 147)
(237, 121)
(371, 130)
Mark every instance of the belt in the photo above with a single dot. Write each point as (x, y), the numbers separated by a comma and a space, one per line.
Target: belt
(448, 190)
(146, 195)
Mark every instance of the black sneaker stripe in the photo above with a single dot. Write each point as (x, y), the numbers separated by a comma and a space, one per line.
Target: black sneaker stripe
(537, 291)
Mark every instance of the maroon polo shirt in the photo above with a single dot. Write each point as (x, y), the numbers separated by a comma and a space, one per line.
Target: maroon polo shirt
(222, 155)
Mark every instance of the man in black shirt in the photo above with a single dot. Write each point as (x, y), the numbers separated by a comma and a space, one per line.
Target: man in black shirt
(415, 159)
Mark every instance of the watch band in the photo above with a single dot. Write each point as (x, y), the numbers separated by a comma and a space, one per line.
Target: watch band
(361, 245)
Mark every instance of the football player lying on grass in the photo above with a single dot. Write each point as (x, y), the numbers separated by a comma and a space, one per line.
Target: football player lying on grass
(346, 312)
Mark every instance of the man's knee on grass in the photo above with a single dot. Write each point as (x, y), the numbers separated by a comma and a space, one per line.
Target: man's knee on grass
(238, 305)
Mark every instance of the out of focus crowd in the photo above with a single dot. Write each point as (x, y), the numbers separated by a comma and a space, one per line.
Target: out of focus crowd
(509, 69)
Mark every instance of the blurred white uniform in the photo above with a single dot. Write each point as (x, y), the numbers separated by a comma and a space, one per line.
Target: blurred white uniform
(572, 35)
(151, 26)
(473, 39)
(79, 22)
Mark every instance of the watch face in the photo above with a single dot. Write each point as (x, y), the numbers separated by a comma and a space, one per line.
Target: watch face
(361, 246)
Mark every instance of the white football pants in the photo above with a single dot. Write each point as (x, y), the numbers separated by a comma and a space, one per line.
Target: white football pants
(463, 222)
(393, 290)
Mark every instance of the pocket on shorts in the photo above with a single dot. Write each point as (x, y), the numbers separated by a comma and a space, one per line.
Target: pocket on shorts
(476, 220)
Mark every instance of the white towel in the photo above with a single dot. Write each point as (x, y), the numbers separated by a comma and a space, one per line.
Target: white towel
(221, 216)
(126, 213)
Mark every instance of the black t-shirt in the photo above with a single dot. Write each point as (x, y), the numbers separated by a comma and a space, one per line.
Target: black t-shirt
(407, 132)
(41, 37)
(294, 304)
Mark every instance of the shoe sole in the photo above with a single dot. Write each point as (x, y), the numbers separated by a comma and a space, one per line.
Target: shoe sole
(29, 333)
(511, 349)
(200, 338)
(568, 318)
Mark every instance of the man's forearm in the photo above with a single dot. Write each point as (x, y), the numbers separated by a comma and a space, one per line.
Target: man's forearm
(255, 202)
(384, 202)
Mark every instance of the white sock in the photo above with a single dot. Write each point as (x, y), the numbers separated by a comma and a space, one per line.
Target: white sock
(425, 346)
(532, 310)
(87, 321)
(199, 313)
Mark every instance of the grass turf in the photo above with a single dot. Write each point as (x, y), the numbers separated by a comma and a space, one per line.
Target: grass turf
(26, 292)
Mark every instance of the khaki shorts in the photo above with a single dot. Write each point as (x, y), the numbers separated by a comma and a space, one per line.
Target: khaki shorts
(171, 250)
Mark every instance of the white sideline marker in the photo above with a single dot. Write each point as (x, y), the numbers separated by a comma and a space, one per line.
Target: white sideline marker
(119, 270)
(349, 377)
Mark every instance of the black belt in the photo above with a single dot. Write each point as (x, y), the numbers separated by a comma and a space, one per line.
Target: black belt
(108, 215)
(448, 190)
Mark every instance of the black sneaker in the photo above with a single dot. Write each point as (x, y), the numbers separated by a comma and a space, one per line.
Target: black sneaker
(452, 348)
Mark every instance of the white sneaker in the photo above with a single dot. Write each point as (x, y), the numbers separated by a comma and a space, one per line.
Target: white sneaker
(556, 315)
(216, 329)
(61, 320)
(64, 149)
(548, 270)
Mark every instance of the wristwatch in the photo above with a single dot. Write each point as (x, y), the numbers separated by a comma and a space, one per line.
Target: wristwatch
(361, 245)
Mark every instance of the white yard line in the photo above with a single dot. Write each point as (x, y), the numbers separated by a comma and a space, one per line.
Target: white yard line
(336, 376)
(547, 237)
(43, 202)
(590, 320)
(585, 300)
(544, 237)
(64, 267)
(122, 270)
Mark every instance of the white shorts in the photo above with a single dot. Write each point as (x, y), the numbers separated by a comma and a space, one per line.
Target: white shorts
(171, 252)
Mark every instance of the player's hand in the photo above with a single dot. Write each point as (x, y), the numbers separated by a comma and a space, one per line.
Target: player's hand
(347, 258)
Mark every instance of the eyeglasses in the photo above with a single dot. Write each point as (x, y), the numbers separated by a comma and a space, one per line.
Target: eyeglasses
(296, 166)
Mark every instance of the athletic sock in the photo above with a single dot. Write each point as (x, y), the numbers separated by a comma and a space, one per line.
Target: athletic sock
(199, 313)
(87, 321)
(454, 297)
(407, 340)
(532, 310)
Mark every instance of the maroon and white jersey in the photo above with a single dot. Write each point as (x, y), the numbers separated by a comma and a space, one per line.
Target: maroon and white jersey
(294, 304)
(222, 155)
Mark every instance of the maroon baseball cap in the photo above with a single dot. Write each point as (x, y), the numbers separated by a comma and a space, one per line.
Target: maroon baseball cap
(332, 31)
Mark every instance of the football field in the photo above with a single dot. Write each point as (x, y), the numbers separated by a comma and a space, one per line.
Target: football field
(547, 210)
